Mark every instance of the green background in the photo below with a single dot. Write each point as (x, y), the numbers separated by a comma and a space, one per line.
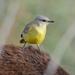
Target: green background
(61, 11)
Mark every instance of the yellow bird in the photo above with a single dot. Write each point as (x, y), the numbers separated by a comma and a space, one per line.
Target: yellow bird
(35, 31)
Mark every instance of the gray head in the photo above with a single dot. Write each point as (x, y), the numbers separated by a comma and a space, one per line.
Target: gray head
(43, 19)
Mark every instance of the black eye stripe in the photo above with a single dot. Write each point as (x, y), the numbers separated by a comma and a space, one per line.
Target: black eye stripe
(43, 20)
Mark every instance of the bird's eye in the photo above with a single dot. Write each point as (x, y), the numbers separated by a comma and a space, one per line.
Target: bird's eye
(44, 20)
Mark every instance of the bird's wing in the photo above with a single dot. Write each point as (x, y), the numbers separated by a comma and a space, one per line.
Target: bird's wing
(27, 28)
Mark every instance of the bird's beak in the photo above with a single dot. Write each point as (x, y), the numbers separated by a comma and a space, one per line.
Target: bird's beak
(51, 21)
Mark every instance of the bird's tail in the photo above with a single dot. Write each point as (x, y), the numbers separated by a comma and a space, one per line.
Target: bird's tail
(22, 41)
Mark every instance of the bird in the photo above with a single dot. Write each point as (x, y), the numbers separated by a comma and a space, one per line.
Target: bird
(34, 32)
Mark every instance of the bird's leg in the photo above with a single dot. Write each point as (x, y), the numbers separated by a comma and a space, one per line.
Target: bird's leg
(24, 44)
(38, 46)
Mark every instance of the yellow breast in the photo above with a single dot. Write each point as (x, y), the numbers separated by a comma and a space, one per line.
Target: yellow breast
(36, 35)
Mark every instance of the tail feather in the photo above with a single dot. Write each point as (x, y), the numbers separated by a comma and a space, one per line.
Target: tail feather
(21, 35)
(22, 41)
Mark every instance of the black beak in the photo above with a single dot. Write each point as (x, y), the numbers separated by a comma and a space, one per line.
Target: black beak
(51, 21)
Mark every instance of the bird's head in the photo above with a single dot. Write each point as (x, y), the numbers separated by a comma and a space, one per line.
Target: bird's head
(43, 20)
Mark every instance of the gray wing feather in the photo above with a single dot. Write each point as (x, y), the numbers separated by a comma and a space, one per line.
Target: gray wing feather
(26, 29)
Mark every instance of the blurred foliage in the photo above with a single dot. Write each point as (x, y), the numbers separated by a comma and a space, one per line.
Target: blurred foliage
(61, 11)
